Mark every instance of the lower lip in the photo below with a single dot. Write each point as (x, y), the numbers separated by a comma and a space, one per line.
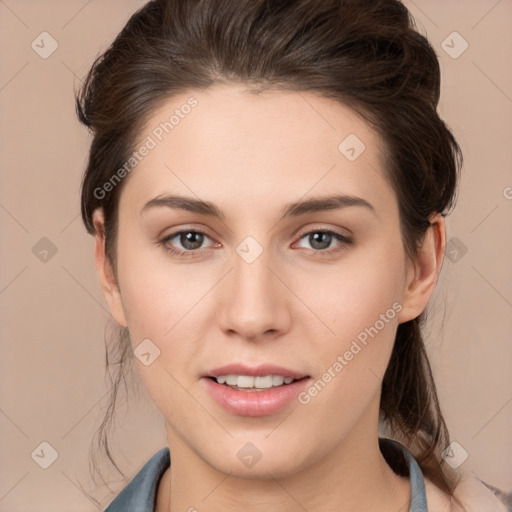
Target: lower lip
(254, 403)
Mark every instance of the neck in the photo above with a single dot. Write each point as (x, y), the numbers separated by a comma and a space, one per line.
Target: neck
(354, 476)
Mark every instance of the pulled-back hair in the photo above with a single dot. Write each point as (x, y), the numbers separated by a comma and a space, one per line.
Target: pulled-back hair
(365, 54)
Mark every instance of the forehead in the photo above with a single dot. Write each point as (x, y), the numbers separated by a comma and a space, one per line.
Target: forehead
(237, 144)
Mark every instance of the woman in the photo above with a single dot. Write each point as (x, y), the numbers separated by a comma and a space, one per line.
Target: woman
(267, 186)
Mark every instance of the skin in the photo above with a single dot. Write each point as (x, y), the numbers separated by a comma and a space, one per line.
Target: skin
(295, 305)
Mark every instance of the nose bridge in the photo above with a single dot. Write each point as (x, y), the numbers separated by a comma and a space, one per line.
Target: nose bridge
(254, 302)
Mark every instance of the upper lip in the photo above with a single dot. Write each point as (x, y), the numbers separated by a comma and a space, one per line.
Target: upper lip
(261, 370)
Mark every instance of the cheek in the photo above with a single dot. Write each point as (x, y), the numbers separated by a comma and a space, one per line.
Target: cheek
(351, 296)
(164, 303)
(159, 306)
(359, 302)
(157, 294)
(362, 324)
(350, 366)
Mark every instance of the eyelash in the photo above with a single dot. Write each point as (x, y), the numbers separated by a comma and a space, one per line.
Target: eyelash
(344, 242)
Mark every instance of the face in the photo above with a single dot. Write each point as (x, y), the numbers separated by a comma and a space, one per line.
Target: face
(293, 268)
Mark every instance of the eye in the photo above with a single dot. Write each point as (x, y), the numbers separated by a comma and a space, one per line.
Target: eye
(321, 241)
(190, 240)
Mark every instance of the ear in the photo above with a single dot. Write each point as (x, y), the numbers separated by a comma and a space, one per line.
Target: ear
(422, 274)
(105, 271)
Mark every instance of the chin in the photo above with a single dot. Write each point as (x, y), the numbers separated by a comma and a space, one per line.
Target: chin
(257, 459)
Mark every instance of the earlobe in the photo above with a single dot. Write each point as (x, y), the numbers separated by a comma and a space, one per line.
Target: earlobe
(105, 271)
(424, 271)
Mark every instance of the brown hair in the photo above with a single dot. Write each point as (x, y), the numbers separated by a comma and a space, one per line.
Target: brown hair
(365, 54)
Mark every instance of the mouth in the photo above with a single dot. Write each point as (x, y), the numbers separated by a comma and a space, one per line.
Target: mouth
(254, 391)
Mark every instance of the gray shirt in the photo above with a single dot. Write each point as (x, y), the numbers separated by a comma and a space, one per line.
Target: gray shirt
(140, 494)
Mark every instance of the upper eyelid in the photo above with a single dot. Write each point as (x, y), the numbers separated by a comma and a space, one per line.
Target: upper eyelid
(347, 233)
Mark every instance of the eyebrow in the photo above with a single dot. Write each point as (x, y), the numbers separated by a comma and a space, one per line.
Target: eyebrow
(313, 205)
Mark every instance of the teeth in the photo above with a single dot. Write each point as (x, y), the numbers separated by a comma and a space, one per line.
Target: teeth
(277, 380)
(247, 381)
(232, 380)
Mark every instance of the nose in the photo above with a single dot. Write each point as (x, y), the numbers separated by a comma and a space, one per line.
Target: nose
(255, 301)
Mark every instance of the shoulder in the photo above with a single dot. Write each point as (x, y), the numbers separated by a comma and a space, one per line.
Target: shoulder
(471, 491)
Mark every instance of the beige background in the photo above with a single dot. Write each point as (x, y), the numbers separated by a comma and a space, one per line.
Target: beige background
(53, 313)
